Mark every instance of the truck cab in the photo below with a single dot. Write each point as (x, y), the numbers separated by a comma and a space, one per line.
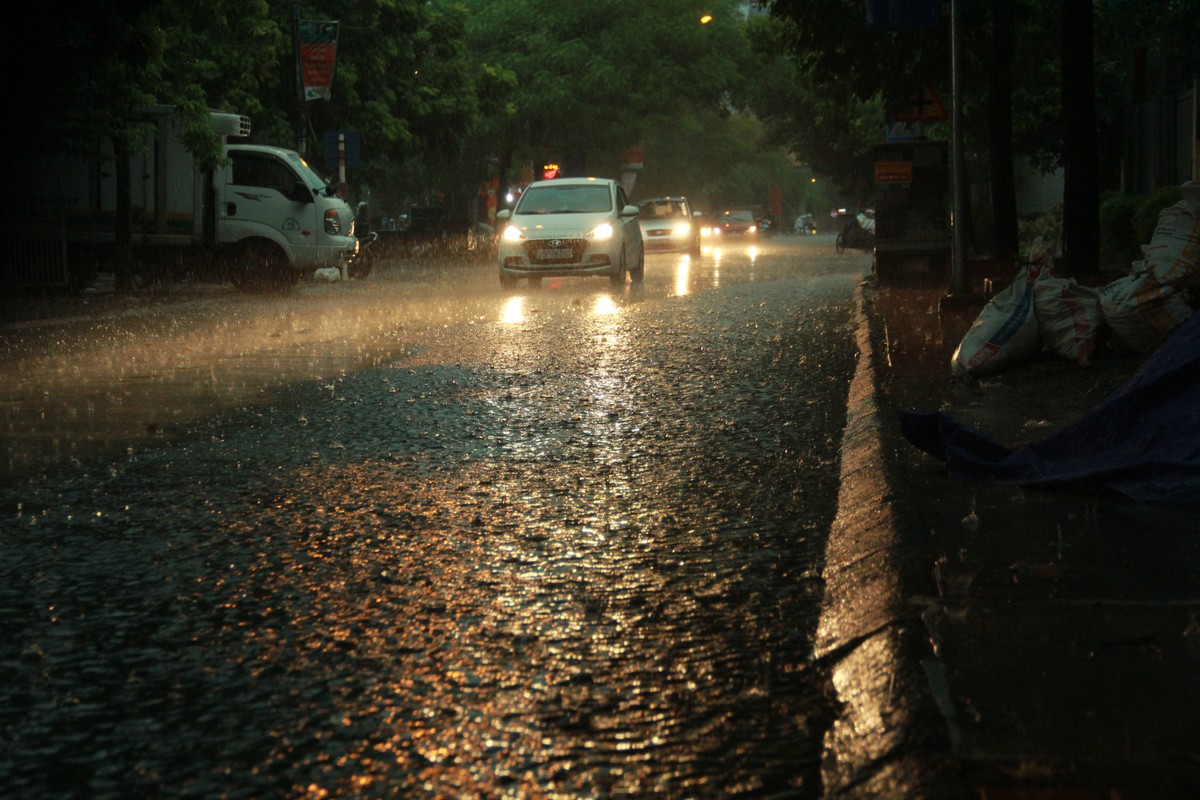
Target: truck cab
(261, 217)
(270, 200)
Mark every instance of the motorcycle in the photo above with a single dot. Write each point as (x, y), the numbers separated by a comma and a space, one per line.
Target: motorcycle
(362, 261)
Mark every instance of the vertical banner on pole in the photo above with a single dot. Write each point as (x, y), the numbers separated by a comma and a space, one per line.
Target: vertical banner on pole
(318, 51)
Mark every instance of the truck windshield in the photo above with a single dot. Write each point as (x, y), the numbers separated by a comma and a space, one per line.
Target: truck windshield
(313, 180)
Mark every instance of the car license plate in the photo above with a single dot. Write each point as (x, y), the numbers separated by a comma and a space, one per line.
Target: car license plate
(556, 252)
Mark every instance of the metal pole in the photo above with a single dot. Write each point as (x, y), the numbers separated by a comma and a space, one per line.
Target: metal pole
(958, 284)
(298, 74)
(342, 165)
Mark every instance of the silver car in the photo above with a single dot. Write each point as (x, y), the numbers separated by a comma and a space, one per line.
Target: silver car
(669, 226)
(571, 226)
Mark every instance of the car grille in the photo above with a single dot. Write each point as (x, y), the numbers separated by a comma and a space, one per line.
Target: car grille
(555, 251)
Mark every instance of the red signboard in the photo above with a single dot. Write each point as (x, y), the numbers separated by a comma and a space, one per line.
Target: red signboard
(318, 50)
(893, 172)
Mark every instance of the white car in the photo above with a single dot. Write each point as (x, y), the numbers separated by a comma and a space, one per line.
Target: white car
(571, 226)
(668, 225)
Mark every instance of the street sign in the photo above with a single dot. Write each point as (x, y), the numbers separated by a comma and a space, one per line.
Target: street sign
(925, 106)
(353, 143)
(902, 15)
(904, 132)
(893, 172)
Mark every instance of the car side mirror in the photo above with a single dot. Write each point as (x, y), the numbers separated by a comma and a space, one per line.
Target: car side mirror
(629, 211)
(503, 214)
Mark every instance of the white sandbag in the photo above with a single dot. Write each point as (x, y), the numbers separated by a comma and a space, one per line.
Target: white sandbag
(1191, 196)
(1173, 254)
(1005, 332)
(1069, 319)
(327, 275)
(1142, 311)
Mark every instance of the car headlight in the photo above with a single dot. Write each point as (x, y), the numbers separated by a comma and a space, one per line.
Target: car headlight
(513, 234)
(681, 230)
(602, 232)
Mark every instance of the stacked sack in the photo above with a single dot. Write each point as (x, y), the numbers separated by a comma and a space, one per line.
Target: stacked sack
(1040, 310)
(1144, 308)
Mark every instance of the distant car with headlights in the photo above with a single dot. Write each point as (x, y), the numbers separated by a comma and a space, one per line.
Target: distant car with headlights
(571, 226)
(735, 222)
(669, 225)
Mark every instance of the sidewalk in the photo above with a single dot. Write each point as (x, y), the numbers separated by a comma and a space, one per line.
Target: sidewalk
(1044, 644)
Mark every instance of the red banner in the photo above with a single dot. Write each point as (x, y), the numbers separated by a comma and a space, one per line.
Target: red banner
(318, 49)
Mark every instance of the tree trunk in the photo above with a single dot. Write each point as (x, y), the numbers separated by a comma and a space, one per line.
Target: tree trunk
(123, 225)
(1081, 192)
(1000, 130)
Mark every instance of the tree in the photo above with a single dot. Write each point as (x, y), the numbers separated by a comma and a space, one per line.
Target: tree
(1081, 190)
(591, 79)
(403, 80)
(832, 131)
(104, 61)
(108, 56)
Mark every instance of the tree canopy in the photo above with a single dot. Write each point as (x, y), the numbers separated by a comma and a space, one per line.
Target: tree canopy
(445, 92)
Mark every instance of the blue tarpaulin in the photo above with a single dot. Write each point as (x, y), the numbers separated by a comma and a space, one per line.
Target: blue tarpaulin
(1143, 441)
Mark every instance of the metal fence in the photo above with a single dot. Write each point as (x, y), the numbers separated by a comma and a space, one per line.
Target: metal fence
(33, 257)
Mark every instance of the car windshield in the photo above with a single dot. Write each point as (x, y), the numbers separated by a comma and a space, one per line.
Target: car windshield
(566, 199)
(660, 209)
(743, 216)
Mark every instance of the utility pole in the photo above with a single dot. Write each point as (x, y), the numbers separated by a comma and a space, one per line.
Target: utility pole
(958, 280)
(301, 103)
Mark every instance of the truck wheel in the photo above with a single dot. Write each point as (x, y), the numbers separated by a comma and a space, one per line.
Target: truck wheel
(262, 267)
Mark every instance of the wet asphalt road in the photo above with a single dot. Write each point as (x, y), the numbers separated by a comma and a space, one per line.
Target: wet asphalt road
(419, 537)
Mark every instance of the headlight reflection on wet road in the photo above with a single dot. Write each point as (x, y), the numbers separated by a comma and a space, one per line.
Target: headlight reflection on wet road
(682, 270)
(513, 310)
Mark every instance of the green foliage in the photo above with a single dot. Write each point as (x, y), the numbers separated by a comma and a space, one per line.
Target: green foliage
(1119, 245)
(1127, 223)
(1047, 226)
(591, 79)
(825, 123)
(1145, 216)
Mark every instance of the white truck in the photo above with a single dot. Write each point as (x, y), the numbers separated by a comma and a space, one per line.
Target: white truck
(261, 218)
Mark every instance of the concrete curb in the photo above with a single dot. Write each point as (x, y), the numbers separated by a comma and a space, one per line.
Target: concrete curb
(887, 740)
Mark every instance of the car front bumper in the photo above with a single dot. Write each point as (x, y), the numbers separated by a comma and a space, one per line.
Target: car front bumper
(559, 257)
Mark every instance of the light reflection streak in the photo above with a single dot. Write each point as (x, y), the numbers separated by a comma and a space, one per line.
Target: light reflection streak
(604, 306)
(513, 311)
(681, 277)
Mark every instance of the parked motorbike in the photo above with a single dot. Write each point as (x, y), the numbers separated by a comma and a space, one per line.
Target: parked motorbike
(360, 265)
